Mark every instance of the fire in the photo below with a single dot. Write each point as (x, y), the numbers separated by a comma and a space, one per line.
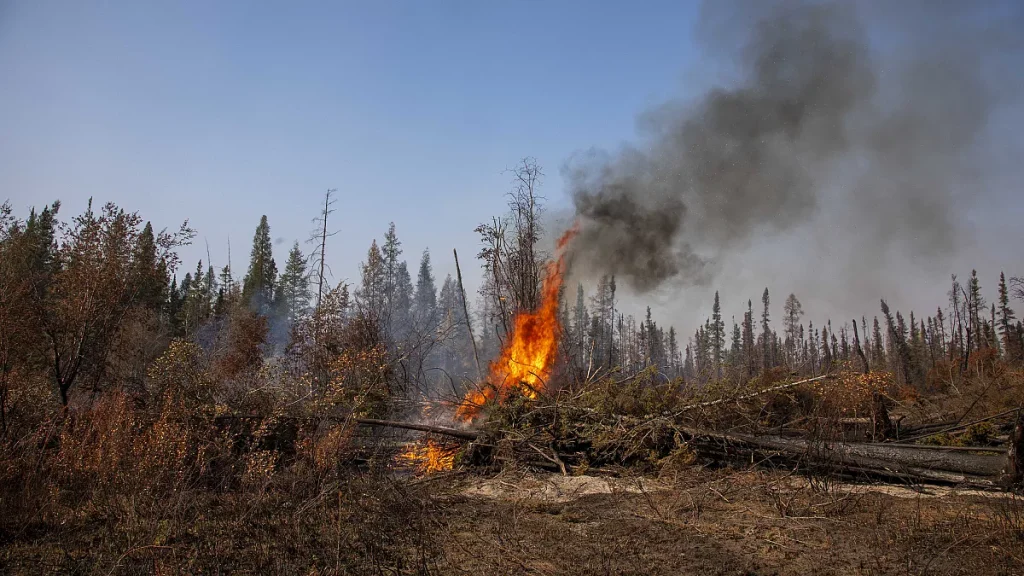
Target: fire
(429, 457)
(528, 356)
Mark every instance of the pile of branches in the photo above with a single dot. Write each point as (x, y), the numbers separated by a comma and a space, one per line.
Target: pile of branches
(585, 431)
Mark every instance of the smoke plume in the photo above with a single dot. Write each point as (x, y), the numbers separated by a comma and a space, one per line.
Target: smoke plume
(883, 141)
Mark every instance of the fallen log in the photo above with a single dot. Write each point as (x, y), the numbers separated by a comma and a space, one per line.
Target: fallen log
(443, 430)
(954, 427)
(903, 463)
(895, 462)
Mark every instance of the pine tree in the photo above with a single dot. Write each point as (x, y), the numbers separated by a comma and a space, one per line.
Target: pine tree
(425, 299)
(371, 297)
(197, 305)
(977, 304)
(401, 313)
(390, 252)
(898, 341)
(826, 353)
(151, 272)
(736, 345)
(258, 286)
(456, 347)
(748, 337)
(717, 336)
(293, 287)
(878, 350)
(673, 352)
(580, 324)
(793, 311)
(1006, 317)
(765, 331)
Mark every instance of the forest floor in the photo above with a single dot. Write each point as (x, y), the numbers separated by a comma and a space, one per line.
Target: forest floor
(722, 522)
(697, 521)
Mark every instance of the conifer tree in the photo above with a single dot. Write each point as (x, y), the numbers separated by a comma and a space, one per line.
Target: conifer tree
(401, 307)
(717, 336)
(1006, 317)
(152, 273)
(292, 299)
(736, 345)
(258, 286)
(748, 337)
(977, 304)
(878, 350)
(793, 311)
(765, 331)
(425, 299)
(371, 297)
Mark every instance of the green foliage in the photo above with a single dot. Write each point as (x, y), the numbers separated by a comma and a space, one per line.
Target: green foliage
(258, 286)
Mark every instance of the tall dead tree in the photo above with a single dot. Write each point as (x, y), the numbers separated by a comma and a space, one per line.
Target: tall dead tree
(510, 256)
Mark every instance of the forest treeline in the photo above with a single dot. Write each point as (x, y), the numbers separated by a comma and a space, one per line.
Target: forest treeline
(94, 303)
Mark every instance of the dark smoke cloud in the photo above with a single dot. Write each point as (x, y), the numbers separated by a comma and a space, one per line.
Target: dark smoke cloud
(814, 112)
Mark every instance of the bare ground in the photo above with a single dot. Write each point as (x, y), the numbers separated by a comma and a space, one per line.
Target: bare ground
(697, 521)
(717, 522)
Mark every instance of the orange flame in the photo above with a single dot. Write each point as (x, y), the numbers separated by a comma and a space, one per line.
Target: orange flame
(528, 356)
(429, 457)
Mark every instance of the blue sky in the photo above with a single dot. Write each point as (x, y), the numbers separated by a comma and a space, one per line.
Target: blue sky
(220, 112)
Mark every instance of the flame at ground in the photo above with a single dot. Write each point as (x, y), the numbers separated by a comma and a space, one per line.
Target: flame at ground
(429, 457)
(527, 358)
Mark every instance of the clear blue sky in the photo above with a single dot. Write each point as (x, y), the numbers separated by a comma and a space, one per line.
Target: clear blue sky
(222, 111)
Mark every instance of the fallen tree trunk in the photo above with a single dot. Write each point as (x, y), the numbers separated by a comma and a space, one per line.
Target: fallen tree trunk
(443, 430)
(903, 463)
(879, 460)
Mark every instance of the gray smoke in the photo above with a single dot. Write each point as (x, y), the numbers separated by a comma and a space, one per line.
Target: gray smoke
(815, 119)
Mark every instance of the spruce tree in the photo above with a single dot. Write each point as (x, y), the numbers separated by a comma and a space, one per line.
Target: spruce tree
(977, 304)
(793, 310)
(1006, 317)
(292, 298)
(401, 306)
(765, 331)
(258, 286)
(150, 273)
(371, 296)
(878, 349)
(717, 336)
(748, 337)
(425, 300)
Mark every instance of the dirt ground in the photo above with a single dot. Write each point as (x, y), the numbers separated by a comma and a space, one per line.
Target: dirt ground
(698, 521)
(721, 522)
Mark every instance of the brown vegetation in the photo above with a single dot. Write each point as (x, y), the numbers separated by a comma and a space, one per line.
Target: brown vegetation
(153, 426)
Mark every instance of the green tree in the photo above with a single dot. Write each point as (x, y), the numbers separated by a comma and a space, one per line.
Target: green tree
(793, 310)
(717, 336)
(259, 282)
(765, 332)
(292, 298)
(371, 297)
(1006, 317)
(425, 299)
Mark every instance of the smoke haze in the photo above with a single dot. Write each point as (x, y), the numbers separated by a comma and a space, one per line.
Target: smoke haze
(853, 143)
